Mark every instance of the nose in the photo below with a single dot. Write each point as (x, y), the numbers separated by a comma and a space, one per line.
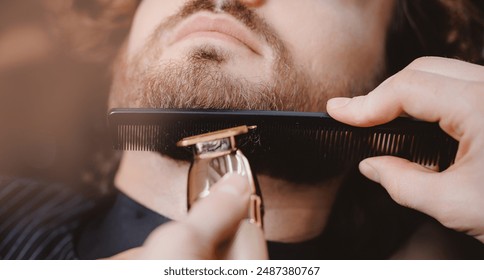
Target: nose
(252, 3)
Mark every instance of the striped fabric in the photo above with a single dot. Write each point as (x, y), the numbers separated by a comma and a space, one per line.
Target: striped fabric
(39, 221)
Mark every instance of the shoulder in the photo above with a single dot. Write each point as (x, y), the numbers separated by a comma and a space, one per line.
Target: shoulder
(38, 219)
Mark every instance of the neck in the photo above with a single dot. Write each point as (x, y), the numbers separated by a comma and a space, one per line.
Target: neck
(292, 212)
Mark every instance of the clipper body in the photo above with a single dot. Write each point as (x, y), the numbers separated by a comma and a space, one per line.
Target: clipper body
(215, 154)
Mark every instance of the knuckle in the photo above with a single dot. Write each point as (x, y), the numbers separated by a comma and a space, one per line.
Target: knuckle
(474, 90)
(182, 237)
(395, 190)
(472, 97)
(409, 84)
(190, 237)
(183, 233)
(399, 86)
(361, 116)
(423, 62)
(400, 82)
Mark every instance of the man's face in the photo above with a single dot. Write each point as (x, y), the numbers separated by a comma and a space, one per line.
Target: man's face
(267, 55)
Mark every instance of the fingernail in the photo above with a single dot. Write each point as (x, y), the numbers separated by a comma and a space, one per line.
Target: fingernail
(369, 171)
(233, 184)
(338, 102)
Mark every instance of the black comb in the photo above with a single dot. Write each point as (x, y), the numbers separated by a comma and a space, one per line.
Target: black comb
(283, 137)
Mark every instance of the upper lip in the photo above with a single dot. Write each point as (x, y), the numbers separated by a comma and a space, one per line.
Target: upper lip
(228, 25)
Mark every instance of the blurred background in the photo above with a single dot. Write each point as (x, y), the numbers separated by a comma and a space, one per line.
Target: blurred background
(52, 103)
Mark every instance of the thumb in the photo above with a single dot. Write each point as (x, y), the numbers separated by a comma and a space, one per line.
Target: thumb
(212, 221)
(249, 243)
(130, 254)
(409, 184)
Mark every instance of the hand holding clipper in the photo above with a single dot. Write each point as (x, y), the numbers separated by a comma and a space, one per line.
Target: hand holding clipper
(216, 154)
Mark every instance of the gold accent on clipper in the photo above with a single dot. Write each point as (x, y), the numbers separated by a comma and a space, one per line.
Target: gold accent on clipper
(216, 154)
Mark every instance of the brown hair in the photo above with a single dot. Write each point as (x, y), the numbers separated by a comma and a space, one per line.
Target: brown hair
(446, 28)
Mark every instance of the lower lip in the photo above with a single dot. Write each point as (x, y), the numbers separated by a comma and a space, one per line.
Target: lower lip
(213, 35)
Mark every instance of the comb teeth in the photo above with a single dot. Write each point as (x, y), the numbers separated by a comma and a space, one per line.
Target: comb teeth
(300, 136)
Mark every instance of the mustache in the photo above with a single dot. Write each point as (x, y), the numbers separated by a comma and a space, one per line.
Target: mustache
(233, 8)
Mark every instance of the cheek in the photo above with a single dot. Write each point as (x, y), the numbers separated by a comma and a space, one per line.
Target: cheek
(149, 15)
(332, 43)
(343, 54)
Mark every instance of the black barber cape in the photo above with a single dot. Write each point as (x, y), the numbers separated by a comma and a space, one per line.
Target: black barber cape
(49, 221)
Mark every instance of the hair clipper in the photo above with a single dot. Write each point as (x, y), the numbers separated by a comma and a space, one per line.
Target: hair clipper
(215, 154)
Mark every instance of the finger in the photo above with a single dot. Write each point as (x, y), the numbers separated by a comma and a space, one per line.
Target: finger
(211, 221)
(423, 95)
(409, 184)
(249, 243)
(452, 68)
(216, 218)
(174, 241)
(131, 254)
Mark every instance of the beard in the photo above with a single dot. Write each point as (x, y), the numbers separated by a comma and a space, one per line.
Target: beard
(199, 80)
